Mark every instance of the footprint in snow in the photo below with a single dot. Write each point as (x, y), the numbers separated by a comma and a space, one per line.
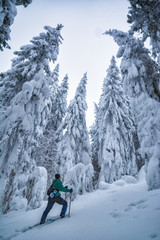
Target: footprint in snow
(153, 235)
(139, 204)
(128, 209)
(158, 208)
(142, 206)
(115, 214)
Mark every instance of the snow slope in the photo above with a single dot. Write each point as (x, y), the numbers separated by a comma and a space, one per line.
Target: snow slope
(121, 212)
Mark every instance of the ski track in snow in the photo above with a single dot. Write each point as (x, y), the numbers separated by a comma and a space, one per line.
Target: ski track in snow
(127, 212)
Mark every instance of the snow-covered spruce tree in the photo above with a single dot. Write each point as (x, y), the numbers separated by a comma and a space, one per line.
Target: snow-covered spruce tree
(74, 153)
(94, 133)
(22, 124)
(54, 85)
(61, 102)
(45, 152)
(30, 59)
(47, 148)
(79, 178)
(144, 17)
(8, 11)
(140, 65)
(116, 151)
(141, 79)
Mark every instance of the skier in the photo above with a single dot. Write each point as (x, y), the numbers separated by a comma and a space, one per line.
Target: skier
(57, 184)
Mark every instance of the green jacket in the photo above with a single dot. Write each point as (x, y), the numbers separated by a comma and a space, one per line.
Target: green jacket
(57, 184)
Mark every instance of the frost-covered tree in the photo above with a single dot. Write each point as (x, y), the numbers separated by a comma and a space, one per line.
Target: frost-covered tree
(61, 102)
(46, 151)
(95, 146)
(74, 147)
(79, 177)
(137, 65)
(141, 79)
(31, 59)
(8, 11)
(54, 85)
(21, 125)
(116, 150)
(54, 80)
(144, 17)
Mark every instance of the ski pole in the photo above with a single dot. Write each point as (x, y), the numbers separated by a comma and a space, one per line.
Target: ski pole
(69, 212)
(65, 196)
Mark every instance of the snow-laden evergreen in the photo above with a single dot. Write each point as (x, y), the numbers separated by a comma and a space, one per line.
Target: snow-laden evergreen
(141, 80)
(137, 65)
(24, 121)
(116, 155)
(8, 11)
(144, 16)
(54, 85)
(21, 125)
(60, 104)
(31, 59)
(74, 152)
(95, 147)
(79, 178)
(46, 150)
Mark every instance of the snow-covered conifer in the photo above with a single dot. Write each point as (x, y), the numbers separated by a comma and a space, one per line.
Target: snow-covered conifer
(144, 17)
(54, 80)
(47, 149)
(8, 11)
(31, 59)
(44, 153)
(59, 103)
(79, 177)
(141, 79)
(21, 125)
(24, 121)
(74, 147)
(116, 151)
(137, 65)
(95, 146)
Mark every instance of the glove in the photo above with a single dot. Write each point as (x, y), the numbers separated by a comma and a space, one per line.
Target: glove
(66, 187)
(71, 190)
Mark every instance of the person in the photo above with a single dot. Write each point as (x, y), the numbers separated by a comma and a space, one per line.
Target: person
(57, 184)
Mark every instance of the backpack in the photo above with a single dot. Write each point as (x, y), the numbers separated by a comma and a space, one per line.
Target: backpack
(51, 191)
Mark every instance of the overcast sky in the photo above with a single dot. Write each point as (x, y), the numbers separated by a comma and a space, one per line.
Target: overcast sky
(84, 49)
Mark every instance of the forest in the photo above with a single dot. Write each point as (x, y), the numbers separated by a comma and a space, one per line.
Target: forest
(41, 134)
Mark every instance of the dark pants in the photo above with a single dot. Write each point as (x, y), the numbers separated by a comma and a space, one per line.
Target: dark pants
(51, 202)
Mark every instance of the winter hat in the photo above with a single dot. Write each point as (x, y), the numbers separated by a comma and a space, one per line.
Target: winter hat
(57, 176)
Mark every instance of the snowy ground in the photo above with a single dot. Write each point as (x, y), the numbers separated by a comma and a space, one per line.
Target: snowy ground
(125, 212)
